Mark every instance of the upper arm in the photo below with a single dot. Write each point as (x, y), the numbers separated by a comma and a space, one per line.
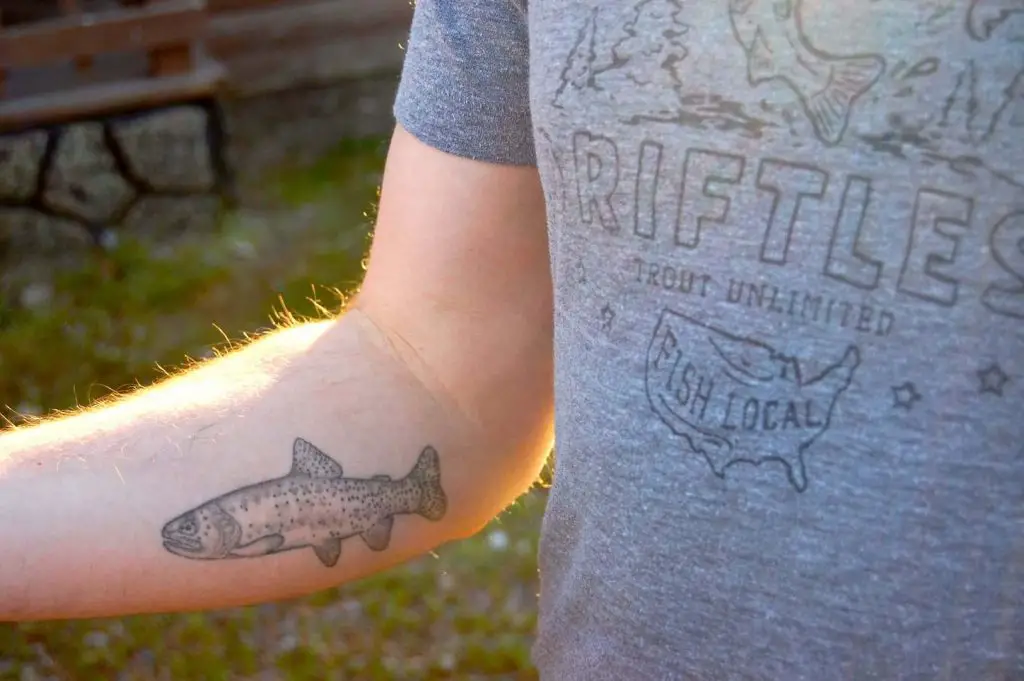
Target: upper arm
(458, 271)
(457, 235)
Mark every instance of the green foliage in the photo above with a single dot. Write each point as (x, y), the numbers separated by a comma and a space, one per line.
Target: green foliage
(466, 612)
(134, 309)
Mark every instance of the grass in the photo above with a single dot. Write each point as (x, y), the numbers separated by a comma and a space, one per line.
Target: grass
(466, 612)
(111, 322)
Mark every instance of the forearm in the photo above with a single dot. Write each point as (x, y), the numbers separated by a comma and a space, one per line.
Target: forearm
(95, 506)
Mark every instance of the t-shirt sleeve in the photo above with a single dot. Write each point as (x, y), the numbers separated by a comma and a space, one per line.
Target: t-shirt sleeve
(464, 87)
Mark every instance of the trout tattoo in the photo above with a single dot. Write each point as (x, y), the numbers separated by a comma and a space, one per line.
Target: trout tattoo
(312, 506)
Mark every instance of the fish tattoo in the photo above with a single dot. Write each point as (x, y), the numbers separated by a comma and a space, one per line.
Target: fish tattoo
(772, 36)
(313, 506)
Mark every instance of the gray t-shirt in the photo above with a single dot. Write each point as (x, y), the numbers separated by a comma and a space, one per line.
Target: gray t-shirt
(787, 240)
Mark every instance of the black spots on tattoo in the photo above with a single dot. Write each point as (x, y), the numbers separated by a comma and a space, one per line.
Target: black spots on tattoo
(314, 505)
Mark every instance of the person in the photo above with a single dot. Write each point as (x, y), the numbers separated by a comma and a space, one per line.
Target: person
(757, 263)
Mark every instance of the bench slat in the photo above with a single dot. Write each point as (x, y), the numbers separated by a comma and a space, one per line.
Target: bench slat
(158, 24)
(236, 5)
(108, 98)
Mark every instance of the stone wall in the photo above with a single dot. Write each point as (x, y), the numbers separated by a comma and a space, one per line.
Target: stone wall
(296, 126)
(67, 193)
(70, 190)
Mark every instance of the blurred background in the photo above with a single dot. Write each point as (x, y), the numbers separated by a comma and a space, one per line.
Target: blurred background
(173, 175)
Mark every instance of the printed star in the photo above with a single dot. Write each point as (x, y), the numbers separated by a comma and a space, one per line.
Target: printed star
(992, 380)
(904, 396)
(607, 317)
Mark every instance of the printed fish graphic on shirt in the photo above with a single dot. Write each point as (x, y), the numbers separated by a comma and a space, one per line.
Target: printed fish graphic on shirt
(828, 85)
(985, 16)
(312, 506)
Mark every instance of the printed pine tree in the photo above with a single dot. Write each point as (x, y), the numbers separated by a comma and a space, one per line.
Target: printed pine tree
(647, 55)
(653, 48)
(979, 113)
(1013, 115)
(579, 67)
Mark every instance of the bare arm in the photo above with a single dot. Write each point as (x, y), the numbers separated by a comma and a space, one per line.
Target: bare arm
(257, 476)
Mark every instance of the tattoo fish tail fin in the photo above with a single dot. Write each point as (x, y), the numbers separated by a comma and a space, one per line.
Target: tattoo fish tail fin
(829, 109)
(426, 474)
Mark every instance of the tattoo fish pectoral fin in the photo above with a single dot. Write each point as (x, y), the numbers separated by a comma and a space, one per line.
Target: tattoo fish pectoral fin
(379, 536)
(328, 551)
(259, 547)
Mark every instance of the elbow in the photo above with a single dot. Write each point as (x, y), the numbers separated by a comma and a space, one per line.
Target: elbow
(496, 476)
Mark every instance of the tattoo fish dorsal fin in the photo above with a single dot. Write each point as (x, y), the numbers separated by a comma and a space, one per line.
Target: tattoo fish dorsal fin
(260, 547)
(307, 459)
(379, 536)
(328, 552)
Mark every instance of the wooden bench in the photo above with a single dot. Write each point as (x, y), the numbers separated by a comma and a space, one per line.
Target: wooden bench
(270, 46)
(165, 37)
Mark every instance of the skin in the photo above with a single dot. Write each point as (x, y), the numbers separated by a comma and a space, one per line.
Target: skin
(448, 342)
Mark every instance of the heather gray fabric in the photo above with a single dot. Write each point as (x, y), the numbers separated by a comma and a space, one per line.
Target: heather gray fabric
(787, 241)
(465, 87)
